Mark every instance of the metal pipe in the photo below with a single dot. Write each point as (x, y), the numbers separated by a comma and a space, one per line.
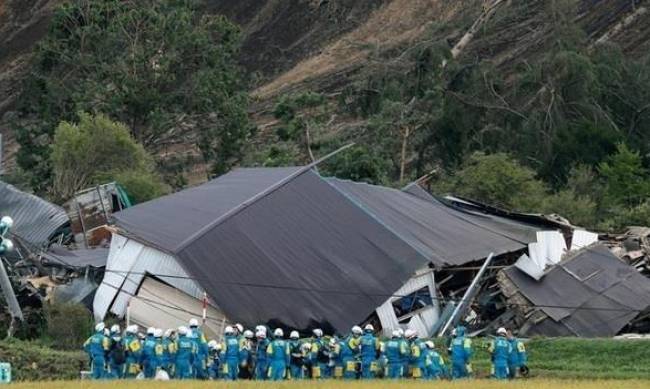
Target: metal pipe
(8, 291)
(467, 296)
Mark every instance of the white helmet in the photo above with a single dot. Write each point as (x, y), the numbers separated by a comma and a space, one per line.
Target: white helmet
(305, 347)
(107, 332)
(318, 332)
(194, 322)
(7, 221)
(429, 344)
(100, 327)
(248, 334)
(212, 344)
(158, 333)
(502, 331)
(395, 334)
(260, 328)
(400, 332)
(132, 329)
(182, 330)
(356, 330)
(151, 331)
(278, 333)
(240, 328)
(260, 334)
(409, 334)
(229, 330)
(294, 335)
(369, 328)
(115, 329)
(168, 333)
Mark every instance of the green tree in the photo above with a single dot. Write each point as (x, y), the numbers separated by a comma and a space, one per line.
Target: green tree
(627, 182)
(497, 180)
(97, 150)
(165, 69)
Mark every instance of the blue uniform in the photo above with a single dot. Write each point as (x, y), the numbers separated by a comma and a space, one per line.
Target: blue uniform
(230, 361)
(296, 360)
(349, 353)
(395, 350)
(133, 351)
(169, 355)
(261, 360)
(335, 368)
(461, 353)
(417, 359)
(185, 354)
(148, 357)
(369, 345)
(435, 365)
(405, 357)
(214, 365)
(518, 356)
(200, 362)
(97, 346)
(500, 349)
(278, 354)
(319, 358)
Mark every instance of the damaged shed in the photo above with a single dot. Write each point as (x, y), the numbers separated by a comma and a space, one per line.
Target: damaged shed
(590, 293)
(285, 246)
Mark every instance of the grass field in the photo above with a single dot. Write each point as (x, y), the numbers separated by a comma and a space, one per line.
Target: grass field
(477, 384)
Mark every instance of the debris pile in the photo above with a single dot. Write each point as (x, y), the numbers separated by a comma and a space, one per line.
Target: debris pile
(633, 247)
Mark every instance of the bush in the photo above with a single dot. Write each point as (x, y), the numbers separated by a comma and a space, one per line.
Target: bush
(31, 361)
(141, 186)
(68, 325)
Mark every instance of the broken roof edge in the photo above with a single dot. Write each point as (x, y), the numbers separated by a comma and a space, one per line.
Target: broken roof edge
(255, 198)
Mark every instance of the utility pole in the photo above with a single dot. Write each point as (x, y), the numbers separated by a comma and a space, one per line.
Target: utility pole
(7, 245)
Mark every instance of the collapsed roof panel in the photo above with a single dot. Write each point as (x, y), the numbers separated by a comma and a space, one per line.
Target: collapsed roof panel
(591, 293)
(446, 235)
(35, 220)
(170, 220)
(301, 255)
(76, 258)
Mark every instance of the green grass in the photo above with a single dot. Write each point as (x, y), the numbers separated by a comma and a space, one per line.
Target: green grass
(567, 358)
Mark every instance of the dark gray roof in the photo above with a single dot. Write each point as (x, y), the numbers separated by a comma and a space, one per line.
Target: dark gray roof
(35, 220)
(590, 294)
(171, 220)
(96, 257)
(444, 234)
(286, 246)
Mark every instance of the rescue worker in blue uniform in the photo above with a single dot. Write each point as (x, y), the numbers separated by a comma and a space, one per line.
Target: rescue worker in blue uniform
(368, 349)
(214, 362)
(261, 359)
(461, 354)
(246, 353)
(116, 355)
(230, 360)
(169, 352)
(296, 361)
(319, 355)
(500, 350)
(278, 354)
(200, 362)
(405, 358)
(159, 352)
(147, 358)
(417, 357)
(97, 346)
(435, 364)
(350, 349)
(185, 354)
(132, 351)
(518, 357)
(395, 351)
(335, 366)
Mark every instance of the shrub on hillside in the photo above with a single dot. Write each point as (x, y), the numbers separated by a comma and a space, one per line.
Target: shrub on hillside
(68, 325)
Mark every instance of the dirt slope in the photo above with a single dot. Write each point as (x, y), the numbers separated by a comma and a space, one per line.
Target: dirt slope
(325, 44)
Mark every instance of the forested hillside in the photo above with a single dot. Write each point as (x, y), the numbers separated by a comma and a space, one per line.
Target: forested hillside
(532, 105)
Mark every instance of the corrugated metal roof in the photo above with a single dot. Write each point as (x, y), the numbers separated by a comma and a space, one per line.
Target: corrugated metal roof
(35, 220)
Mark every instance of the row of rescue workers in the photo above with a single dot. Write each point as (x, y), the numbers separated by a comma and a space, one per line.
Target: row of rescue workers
(186, 354)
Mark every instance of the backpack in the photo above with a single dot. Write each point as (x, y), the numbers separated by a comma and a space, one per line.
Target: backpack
(118, 353)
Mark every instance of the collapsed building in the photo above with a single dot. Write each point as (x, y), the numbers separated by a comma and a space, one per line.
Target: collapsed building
(287, 247)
